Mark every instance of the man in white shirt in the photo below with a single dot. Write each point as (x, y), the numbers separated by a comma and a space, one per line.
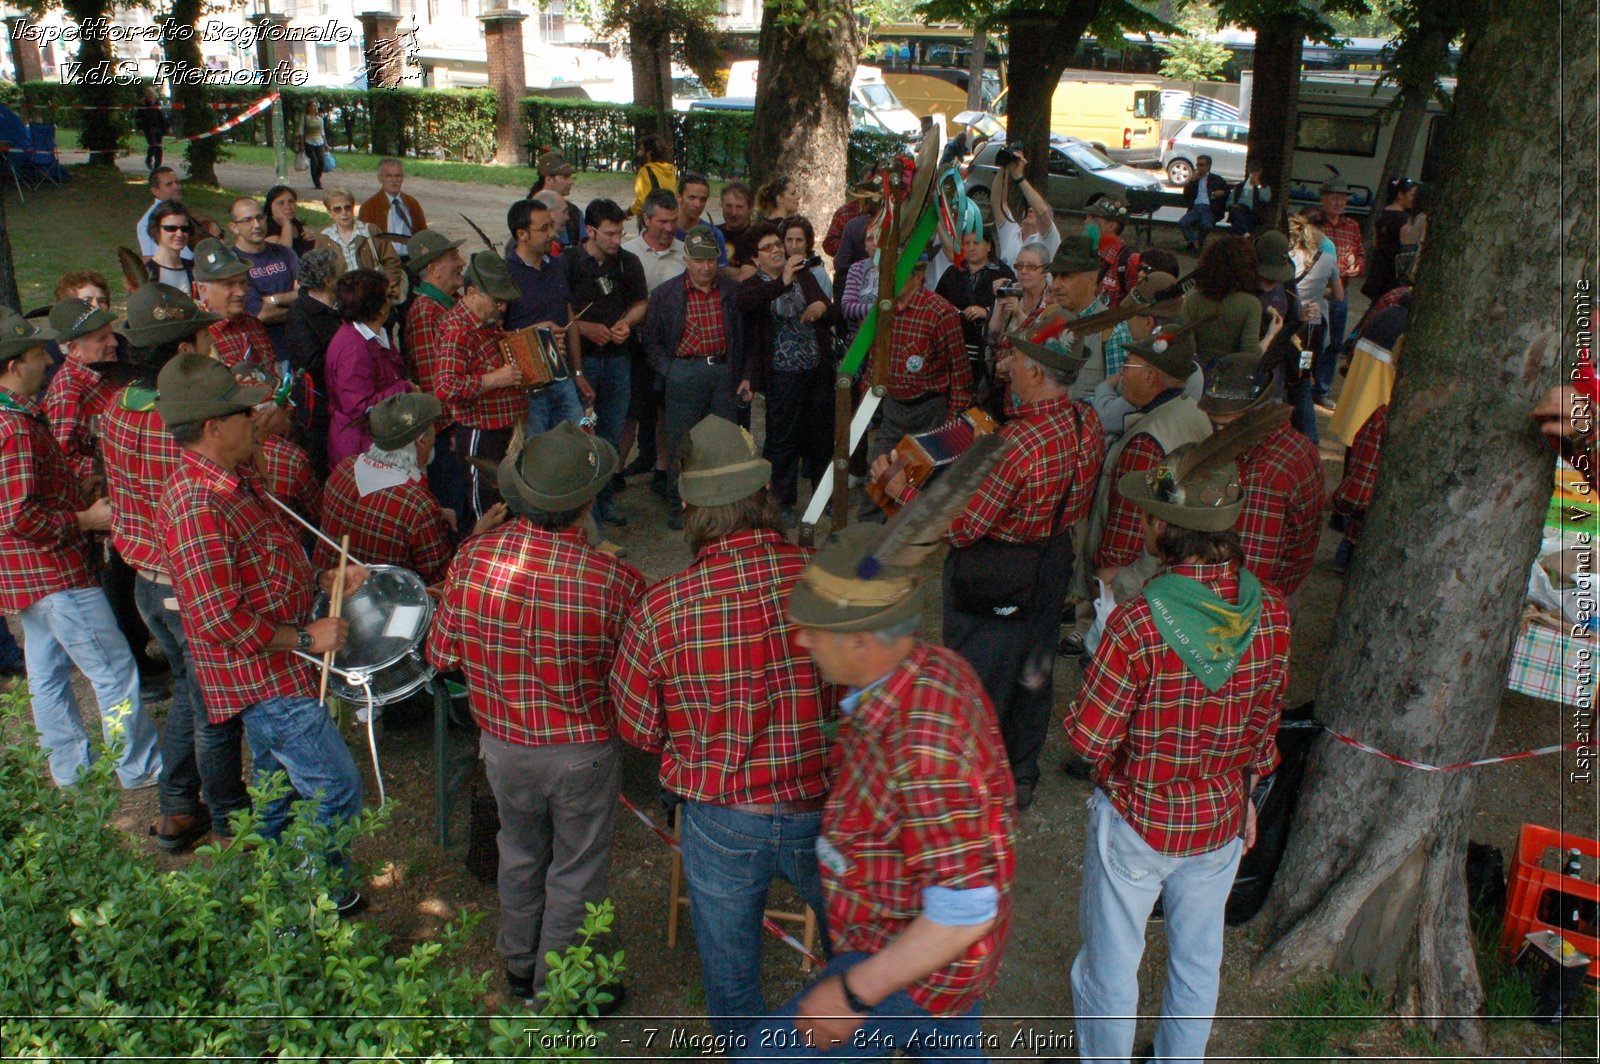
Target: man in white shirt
(164, 186)
(658, 249)
(1037, 222)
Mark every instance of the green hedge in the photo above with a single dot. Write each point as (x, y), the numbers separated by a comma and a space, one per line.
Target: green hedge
(603, 136)
(437, 123)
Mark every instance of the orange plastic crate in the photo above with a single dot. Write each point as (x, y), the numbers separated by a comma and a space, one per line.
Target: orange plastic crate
(1530, 883)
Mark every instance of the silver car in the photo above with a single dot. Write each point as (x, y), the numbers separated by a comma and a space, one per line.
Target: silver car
(1080, 174)
(1226, 143)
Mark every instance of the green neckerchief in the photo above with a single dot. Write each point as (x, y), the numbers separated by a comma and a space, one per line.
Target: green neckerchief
(425, 289)
(1206, 631)
(138, 397)
(15, 404)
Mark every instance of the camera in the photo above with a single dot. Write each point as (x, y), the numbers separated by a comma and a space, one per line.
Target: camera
(1005, 157)
(1008, 291)
(812, 263)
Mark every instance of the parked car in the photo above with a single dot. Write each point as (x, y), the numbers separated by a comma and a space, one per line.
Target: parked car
(1225, 142)
(860, 117)
(1080, 174)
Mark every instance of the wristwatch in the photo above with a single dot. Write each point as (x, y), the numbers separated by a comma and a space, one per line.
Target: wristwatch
(302, 638)
(855, 1003)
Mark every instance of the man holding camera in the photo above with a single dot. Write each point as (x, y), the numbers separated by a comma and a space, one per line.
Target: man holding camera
(1037, 222)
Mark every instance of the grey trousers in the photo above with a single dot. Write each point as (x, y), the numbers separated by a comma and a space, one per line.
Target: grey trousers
(557, 806)
(900, 420)
(694, 389)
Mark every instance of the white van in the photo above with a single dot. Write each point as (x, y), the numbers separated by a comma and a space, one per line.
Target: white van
(867, 90)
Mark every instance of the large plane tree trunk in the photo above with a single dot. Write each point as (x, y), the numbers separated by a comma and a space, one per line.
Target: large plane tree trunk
(1041, 46)
(1275, 106)
(195, 100)
(801, 126)
(97, 89)
(1372, 882)
(650, 58)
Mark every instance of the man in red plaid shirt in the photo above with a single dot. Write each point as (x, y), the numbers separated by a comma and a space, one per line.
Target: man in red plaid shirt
(708, 677)
(1177, 719)
(246, 590)
(915, 847)
(224, 282)
(435, 267)
(78, 395)
(1350, 247)
(46, 579)
(482, 392)
(1019, 525)
(1354, 493)
(1282, 475)
(533, 615)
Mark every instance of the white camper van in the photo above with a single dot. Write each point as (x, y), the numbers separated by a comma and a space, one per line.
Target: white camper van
(867, 90)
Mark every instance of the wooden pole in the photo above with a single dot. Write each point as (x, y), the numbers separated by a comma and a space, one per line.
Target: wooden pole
(335, 607)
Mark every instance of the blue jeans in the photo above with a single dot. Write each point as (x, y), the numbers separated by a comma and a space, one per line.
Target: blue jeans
(729, 862)
(892, 1024)
(1326, 364)
(77, 627)
(195, 753)
(1122, 878)
(551, 406)
(296, 735)
(612, 380)
(1196, 223)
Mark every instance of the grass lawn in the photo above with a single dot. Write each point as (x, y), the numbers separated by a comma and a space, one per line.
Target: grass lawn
(79, 226)
(444, 170)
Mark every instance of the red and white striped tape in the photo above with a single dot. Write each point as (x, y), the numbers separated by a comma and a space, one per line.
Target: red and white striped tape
(237, 120)
(766, 921)
(1421, 766)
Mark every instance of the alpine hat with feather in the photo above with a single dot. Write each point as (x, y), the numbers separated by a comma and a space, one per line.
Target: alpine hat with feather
(1197, 486)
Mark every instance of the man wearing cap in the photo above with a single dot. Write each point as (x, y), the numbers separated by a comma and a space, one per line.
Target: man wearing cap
(930, 378)
(392, 211)
(381, 501)
(246, 591)
(916, 853)
(47, 580)
(1075, 289)
(1107, 398)
(224, 280)
(1177, 719)
(532, 613)
(1282, 475)
(1010, 565)
(1107, 219)
(482, 392)
(1206, 194)
(435, 268)
(1162, 419)
(556, 174)
(694, 341)
(1350, 250)
(141, 458)
(709, 678)
(78, 395)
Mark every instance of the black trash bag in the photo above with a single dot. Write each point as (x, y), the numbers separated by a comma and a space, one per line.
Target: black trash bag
(1275, 798)
(1486, 881)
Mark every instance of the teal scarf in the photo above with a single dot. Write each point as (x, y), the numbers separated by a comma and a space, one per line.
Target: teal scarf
(1208, 633)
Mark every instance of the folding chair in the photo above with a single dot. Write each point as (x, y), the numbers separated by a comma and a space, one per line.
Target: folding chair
(7, 167)
(41, 163)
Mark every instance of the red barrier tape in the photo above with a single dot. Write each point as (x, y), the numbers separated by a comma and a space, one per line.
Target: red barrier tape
(1423, 766)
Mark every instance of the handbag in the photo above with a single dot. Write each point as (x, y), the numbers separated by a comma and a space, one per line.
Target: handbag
(300, 161)
(329, 163)
(996, 578)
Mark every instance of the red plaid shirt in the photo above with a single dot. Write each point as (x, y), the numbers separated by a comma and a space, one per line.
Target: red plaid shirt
(41, 549)
(286, 472)
(1391, 298)
(424, 342)
(929, 330)
(848, 211)
(1282, 519)
(1354, 493)
(403, 525)
(76, 395)
(1110, 247)
(534, 618)
(140, 457)
(469, 348)
(1123, 540)
(705, 333)
(921, 798)
(1060, 446)
(708, 677)
(1171, 755)
(244, 338)
(1348, 245)
(238, 573)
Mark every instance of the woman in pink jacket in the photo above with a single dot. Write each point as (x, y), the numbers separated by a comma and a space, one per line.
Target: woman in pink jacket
(363, 365)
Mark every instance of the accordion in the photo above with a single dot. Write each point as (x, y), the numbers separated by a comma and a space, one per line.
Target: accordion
(919, 455)
(533, 351)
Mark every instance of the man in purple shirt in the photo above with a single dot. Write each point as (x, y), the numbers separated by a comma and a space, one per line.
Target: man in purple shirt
(273, 269)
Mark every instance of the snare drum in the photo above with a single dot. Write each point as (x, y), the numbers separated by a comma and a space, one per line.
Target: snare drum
(389, 616)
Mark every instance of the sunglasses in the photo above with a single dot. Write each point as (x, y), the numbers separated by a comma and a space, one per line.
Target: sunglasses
(769, 246)
(177, 228)
(340, 207)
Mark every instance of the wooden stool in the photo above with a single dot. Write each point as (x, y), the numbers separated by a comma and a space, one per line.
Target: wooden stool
(678, 898)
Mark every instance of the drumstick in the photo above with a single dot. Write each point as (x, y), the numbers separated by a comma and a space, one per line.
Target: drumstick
(335, 607)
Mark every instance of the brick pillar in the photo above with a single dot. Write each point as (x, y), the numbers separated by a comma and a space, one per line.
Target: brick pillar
(24, 54)
(380, 40)
(502, 33)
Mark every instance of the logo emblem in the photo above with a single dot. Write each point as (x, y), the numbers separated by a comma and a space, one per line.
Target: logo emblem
(914, 364)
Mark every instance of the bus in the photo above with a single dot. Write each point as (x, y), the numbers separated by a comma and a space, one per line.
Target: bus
(928, 67)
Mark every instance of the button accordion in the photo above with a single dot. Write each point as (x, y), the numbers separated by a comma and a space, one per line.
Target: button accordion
(533, 351)
(919, 455)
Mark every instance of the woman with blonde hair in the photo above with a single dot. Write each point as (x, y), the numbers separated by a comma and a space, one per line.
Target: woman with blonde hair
(359, 246)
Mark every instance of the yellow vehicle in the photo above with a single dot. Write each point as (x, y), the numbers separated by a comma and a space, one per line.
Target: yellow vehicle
(1117, 114)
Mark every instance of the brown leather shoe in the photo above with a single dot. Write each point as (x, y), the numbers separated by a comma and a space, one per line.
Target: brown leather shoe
(175, 834)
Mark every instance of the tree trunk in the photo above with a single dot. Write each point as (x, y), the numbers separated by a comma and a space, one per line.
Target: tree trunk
(196, 101)
(650, 56)
(1041, 47)
(8, 268)
(96, 91)
(1275, 106)
(1372, 881)
(1415, 91)
(801, 127)
(980, 47)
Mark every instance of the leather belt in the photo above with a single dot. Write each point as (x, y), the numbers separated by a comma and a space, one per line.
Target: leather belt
(710, 360)
(804, 805)
(154, 577)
